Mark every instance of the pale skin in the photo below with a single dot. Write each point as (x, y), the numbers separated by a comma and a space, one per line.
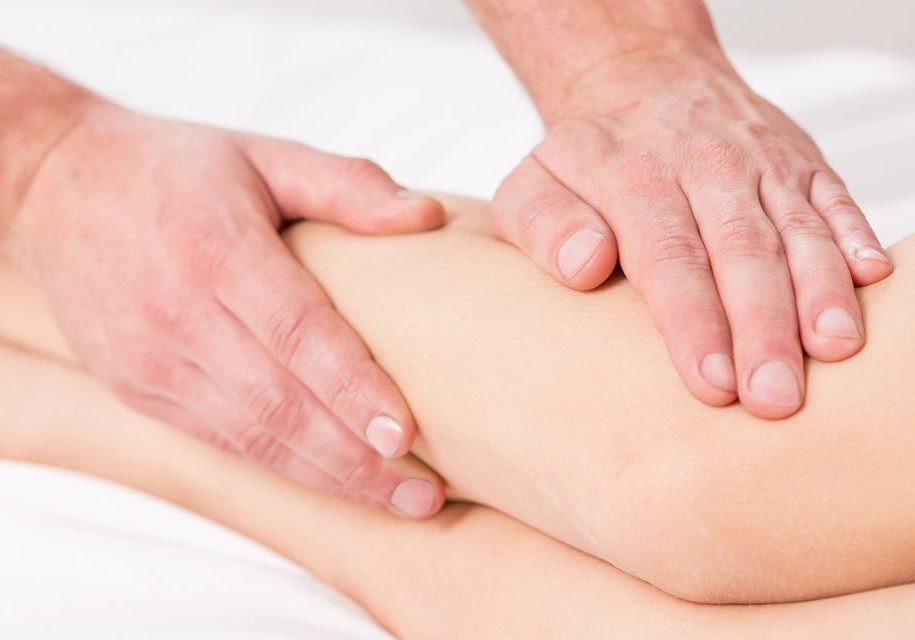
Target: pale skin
(597, 444)
(492, 576)
(156, 243)
(721, 211)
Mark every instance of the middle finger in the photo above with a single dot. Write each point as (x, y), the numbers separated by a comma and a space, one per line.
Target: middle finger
(754, 282)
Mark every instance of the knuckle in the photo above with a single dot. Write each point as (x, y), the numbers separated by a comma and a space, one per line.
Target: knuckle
(826, 276)
(153, 372)
(210, 249)
(293, 332)
(643, 171)
(721, 158)
(343, 390)
(142, 367)
(287, 330)
(539, 213)
(360, 476)
(860, 235)
(748, 234)
(201, 248)
(674, 242)
(839, 204)
(800, 221)
(169, 313)
(779, 163)
(124, 388)
(360, 169)
(258, 444)
(277, 408)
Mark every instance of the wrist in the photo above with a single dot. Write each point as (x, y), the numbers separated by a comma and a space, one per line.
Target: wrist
(623, 77)
(37, 110)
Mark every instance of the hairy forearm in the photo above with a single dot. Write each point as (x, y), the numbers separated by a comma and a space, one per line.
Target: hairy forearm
(37, 108)
(553, 44)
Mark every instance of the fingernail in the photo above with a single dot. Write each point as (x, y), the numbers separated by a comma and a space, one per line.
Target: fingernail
(775, 383)
(385, 435)
(575, 253)
(834, 322)
(414, 497)
(869, 253)
(718, 370)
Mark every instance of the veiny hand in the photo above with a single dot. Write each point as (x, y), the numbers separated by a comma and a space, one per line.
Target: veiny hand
(724, 214)
(157, 245)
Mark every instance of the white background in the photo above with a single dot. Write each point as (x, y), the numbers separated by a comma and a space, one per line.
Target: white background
(414, 85)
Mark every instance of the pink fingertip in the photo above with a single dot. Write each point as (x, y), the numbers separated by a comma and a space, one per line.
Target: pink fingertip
(414, 497)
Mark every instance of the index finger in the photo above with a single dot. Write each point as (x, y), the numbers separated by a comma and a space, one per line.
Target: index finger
(269, 416)
(292, 317)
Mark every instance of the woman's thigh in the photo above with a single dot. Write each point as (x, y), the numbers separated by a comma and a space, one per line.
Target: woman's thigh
(470, 572)
(562, 409)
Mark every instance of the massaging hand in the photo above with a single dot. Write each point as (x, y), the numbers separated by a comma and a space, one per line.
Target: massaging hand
(157, 245)
(722, 212)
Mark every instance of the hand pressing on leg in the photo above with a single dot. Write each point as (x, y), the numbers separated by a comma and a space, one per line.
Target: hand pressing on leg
(156, 243)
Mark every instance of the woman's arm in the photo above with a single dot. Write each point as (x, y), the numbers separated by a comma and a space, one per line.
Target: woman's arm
(561, 409)
(470, 572)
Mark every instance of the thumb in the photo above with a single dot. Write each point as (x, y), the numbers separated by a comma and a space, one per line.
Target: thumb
(353, 192)
(564, 234)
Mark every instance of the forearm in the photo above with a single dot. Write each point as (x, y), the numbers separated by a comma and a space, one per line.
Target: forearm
(37, 108)
(553, 44)
(491, 576)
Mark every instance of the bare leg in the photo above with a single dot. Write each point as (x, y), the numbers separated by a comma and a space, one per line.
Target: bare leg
(472, 572)
(562, 410)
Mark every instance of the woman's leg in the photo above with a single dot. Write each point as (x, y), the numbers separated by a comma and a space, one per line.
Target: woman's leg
(471, 572)
(562, 409)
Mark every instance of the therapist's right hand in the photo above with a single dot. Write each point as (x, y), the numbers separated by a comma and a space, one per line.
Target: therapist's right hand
(157, 245)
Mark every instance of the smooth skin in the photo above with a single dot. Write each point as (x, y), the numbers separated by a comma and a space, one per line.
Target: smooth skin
(164, 267)
(491, 576)
(560, 409)
(156, 243)
(720, 210)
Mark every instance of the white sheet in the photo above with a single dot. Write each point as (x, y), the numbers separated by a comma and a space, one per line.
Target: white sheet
(413, 86)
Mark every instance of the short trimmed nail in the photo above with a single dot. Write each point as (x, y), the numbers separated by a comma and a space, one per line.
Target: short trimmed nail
(577, 251)
(414, 497)
(718, 370)
(774, 382)
(385, 435)
(869, 253)
(836, 323)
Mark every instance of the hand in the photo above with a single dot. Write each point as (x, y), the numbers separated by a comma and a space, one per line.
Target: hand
(157, 245)
(724, 214)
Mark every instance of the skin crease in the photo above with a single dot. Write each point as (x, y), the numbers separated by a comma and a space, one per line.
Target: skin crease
(213, 285)
(532, 396)
(598, 444)
(492, 576)
(620, 85)
(721, 211)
